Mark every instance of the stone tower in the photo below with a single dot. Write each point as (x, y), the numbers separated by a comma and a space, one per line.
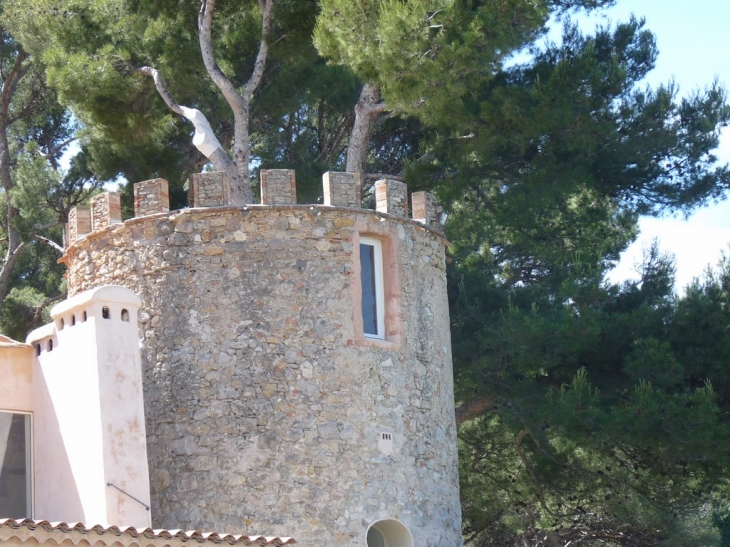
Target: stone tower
(297, 360)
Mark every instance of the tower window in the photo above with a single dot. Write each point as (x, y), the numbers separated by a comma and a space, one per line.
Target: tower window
(125, 315)
(105, 312)
(371, 277)
(15, 469)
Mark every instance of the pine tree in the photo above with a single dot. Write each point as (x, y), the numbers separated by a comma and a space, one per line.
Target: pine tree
(34, 131)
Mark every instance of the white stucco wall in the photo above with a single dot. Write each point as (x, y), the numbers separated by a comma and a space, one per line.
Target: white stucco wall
(89, 413)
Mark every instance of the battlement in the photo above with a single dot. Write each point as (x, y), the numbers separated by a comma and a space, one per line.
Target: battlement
(278, 188)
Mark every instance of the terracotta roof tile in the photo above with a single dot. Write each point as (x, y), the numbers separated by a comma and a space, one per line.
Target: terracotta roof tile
(148, 533)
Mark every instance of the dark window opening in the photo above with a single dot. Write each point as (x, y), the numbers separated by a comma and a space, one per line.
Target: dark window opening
(15, 479)
(125, 315)
(50, 345)
(37, 349)
(105, 312)
(369, 302)
(371, 281)
(389, 533)
(83, 317)
(73, 320)
(375, 538)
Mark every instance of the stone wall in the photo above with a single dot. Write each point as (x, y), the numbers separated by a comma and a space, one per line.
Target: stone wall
(267, 411)
(341, 189)
(79, 224)
(278, 186)
(424, 208)
(106, 209)
(391, 196)
(210, 189)
(151, 197)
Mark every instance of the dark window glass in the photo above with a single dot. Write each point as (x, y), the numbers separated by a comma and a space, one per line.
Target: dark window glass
(369, 296)
(14, 465)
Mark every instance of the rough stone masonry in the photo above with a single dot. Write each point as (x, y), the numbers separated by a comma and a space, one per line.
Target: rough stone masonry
(267, 410)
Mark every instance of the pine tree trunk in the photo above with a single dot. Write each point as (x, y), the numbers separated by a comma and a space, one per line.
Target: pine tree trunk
(367, 110)
(15, 245)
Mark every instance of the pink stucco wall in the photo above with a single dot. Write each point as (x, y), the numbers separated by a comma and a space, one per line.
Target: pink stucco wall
(16, 370)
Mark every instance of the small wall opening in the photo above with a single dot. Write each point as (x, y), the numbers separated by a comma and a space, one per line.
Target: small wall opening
(105, 312)
(73, 320)
(389, 533)
(61, 324)
(50, 344)
(125, 315)
(37, 349)
(83, 317)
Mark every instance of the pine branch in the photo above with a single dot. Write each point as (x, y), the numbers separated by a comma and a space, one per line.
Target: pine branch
(11, 83)
(473, 408)
(205, 24)
(260, 64)
(50, 243)
(161, 88)
(379, 176)
(204, 138)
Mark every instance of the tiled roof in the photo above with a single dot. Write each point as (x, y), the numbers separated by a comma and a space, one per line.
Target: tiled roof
(139, 533)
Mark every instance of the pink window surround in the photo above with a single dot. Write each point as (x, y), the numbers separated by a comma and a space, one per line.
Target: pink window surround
(392, 288)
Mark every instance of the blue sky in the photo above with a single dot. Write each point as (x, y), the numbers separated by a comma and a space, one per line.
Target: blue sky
(693, 38)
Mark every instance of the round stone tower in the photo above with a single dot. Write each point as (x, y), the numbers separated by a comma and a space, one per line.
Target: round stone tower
(297, 359)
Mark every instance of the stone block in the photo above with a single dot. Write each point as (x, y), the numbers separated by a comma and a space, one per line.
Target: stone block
(278, 187)
(341, 189)
(391, 196)
(424, 208)
(151, 197)
(106, 209)
(211, 189)
(79, 224)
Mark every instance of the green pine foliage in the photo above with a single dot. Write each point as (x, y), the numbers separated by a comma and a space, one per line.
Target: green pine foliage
(647, 449)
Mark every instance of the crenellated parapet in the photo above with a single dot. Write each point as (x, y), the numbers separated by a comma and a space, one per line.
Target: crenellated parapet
(105, 210)
(278, 188)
